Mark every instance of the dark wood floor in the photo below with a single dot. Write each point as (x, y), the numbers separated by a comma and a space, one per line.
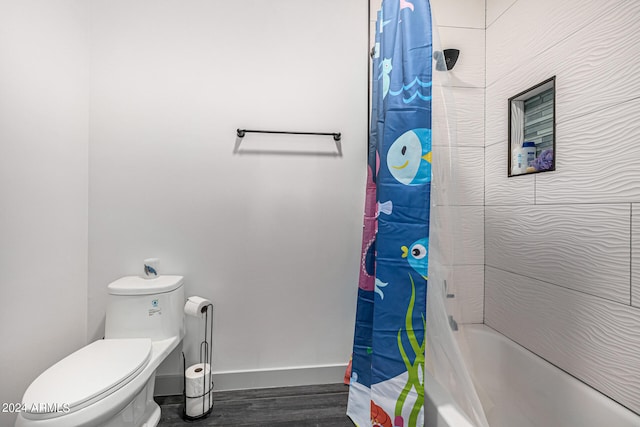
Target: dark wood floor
(306, 406)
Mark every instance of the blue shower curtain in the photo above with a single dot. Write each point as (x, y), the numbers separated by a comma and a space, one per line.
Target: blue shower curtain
(387, 382)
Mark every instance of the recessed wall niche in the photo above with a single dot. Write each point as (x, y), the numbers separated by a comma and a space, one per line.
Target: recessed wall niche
(532, 125)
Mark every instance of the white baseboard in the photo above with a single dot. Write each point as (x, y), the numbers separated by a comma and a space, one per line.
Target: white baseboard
(169, 385)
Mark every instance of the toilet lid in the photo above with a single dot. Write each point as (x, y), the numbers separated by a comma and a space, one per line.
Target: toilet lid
(102, 366)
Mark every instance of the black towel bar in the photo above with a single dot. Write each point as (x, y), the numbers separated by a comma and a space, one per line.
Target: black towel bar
(336, 135)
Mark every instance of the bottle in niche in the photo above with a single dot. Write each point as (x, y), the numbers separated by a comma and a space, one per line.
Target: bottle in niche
(528, 155)
(516, 162)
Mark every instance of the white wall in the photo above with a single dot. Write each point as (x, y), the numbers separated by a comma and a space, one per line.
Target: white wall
(272, 239)
(559, 245)
(43, 188)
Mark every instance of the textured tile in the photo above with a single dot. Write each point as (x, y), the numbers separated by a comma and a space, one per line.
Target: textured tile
(469, 69)
(495, 8)
(612, 40)
(511, 42)
(596, 53)
(582, 247)
(499, 188)
(458, 116)
(595, 340)
(467, 284)
(458, 176)
(460, 234)
(595, 159)
(468, 165)
(458, 13)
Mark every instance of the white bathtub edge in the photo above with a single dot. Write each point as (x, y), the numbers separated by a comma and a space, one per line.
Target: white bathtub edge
(440, 410)
(562, 399)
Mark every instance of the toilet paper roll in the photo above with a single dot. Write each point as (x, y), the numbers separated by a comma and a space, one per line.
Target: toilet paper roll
(198, 384)
(195, 306)
(151, 268)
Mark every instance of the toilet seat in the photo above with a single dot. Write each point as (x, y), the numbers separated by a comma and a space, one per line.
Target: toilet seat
(85, 376)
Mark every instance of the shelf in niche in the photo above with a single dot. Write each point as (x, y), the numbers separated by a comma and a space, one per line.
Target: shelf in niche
(531, 146)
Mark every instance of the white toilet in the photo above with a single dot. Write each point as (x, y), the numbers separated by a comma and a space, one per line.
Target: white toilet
(110, 382)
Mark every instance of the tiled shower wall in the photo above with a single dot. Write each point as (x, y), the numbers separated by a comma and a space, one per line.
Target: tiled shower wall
(559, 250)
(460, 24)
(562, 247)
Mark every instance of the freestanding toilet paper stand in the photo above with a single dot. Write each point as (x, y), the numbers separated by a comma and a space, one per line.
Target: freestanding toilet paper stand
(206, 357)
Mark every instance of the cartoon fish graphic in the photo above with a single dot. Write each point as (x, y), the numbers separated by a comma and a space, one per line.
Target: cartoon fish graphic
(417, 255)
(409, 157)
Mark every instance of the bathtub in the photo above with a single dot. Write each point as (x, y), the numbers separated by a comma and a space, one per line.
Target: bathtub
(519, 389)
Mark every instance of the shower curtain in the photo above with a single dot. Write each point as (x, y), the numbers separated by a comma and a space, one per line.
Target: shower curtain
(386, 382)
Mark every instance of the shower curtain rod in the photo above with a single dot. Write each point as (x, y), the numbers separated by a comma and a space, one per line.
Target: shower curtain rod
(336, 135)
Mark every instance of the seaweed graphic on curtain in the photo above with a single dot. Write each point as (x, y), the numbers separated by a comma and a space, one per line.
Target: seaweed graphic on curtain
(415, 367)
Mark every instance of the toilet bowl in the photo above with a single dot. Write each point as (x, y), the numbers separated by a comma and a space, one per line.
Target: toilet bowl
(110, 382)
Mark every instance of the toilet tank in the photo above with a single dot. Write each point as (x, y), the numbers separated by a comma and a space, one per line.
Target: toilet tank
(145, 308)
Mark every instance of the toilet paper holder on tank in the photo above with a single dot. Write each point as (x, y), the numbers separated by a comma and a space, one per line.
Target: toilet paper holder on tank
(197, 391)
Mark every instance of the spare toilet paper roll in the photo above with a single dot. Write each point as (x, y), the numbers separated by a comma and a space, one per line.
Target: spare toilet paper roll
(198, 384)
(195, 305)
(151, 268)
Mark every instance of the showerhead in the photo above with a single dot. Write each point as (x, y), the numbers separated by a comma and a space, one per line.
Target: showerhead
(446, 59)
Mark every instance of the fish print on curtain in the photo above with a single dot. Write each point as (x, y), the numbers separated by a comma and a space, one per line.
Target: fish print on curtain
(387, 382)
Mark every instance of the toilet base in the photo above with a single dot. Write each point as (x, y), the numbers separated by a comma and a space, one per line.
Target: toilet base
(143, 411)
